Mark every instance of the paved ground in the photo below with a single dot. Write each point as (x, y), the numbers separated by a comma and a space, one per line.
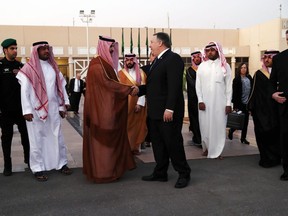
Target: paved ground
(233, 186)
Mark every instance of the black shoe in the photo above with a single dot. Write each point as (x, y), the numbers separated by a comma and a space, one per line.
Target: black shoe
(7, 172)
(182, 182)
(153, 177)
(147, 144)
(230, 134)
(196, 141)
(26, 161)
(244, 141)
(284, 176)
(269, 164)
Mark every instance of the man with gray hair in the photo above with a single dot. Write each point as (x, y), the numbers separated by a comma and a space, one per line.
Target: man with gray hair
(165, 103)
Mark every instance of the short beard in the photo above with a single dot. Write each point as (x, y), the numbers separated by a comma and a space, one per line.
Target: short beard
(213, 58)
(130, 66)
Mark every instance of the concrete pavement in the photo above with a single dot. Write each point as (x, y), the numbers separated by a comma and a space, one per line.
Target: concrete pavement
(233, 186)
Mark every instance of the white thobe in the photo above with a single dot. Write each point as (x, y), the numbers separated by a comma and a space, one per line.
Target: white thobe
(47, 147)
(141, 100)
(214, 89)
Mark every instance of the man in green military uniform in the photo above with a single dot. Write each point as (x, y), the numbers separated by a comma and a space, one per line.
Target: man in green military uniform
(10, 104)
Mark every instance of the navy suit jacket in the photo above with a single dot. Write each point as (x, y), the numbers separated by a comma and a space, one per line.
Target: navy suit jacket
(164, 86)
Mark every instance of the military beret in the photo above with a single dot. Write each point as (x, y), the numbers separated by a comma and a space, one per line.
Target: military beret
(8, 42)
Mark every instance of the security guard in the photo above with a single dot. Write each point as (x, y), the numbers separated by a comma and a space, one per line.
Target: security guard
(10, 104)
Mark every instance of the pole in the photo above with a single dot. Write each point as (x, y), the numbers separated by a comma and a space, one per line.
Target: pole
(146, 43)
(87, 39)
(87, 18)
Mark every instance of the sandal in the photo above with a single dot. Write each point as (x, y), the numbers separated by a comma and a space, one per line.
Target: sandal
(220, 157)
(40, 176)
(66, 170)
(205, 153)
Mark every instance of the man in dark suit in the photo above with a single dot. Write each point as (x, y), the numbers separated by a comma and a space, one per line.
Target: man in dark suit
(76, 88)
(165, 103)
(279, 79)
(196, 59)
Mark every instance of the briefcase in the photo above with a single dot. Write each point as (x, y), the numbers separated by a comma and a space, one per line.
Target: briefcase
(235, 120)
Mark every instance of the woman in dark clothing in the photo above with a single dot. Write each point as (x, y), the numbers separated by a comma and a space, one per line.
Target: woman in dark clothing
(241, 90)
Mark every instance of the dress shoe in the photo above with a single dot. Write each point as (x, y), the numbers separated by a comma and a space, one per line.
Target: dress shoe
(284, 176)
(153, 177)
(147, 144)
(26, 161)
(269, 164)
(196, 143)
(244, 141)
(7, 172)
(230, 134)
(182, 182)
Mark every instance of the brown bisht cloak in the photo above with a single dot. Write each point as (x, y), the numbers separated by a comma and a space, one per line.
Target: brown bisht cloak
(137, 129)
(106, 150)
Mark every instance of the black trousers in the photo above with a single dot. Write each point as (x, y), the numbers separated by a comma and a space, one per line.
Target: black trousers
(246, 121)
(268, 145)
(75, 101)
(284, 138)
(7, 122)
(148, 136)
(167, 144)
(194, 121)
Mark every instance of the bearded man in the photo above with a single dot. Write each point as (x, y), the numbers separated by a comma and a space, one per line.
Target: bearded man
(131, 74)
(106, 150)
(214, 92)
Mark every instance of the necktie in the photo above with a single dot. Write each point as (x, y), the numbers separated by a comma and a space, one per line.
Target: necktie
(153, 63)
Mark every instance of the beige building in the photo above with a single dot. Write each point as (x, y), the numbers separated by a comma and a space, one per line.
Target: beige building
(70, 43)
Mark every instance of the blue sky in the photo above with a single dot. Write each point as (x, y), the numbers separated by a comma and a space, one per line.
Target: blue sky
(219, 14)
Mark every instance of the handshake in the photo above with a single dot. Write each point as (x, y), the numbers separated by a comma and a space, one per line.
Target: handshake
(134, 91)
